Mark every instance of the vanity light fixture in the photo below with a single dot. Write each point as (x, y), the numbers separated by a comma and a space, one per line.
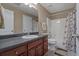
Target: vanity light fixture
(31, 5)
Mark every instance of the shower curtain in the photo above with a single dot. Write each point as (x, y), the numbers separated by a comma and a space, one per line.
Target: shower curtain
(70, 29)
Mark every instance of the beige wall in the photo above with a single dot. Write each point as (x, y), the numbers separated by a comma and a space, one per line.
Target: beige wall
(60, 14)
(42, 16)
(18, 26)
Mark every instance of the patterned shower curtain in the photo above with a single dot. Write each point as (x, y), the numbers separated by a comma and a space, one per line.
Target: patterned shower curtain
(70, 29)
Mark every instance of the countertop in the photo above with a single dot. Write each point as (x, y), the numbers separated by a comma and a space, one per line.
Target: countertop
(10, 43)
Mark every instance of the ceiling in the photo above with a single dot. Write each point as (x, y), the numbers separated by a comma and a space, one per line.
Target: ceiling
(51, 7)
(23, 7)
(56, 7)
(27, 9)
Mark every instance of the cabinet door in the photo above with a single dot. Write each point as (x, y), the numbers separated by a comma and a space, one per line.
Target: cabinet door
(32, 52)
(45, 46)
(32, 48)
(9, 53)
(21, 50)
(39, 50)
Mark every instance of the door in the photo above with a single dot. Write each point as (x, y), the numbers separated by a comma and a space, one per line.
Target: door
(57, 31)
(8, 16)
(27, 23)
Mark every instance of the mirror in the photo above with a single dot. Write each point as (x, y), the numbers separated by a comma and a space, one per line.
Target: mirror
(1, 19)
(12, 20)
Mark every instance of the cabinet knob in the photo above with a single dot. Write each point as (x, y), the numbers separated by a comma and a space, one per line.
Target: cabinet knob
(16, 52)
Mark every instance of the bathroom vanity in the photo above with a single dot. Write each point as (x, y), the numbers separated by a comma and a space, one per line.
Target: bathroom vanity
(23, 46)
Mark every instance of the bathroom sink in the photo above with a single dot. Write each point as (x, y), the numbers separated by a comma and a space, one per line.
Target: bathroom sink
(30, 36)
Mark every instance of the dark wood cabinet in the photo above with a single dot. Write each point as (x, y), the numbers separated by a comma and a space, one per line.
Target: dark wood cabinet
(39, 50)
(32, 44)
(45, 46)
(34, 48)
(16, 51)
(21, 50)
(32, 52)
(9, 53)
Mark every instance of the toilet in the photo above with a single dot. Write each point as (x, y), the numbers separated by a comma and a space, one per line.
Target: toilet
(52, 44)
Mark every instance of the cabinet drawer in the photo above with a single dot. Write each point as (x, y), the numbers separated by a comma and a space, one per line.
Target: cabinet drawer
(15, 52)
(40, 41)
(20, 50)
(31, 45)
(9, 53)
(35, 43)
